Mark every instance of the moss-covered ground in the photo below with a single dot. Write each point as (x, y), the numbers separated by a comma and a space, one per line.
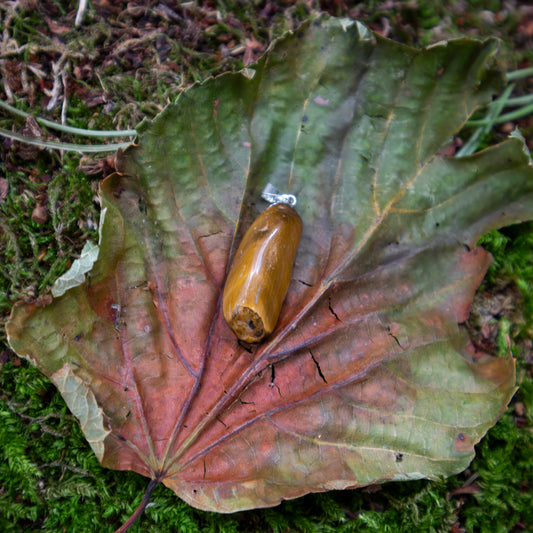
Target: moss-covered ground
(124, 63)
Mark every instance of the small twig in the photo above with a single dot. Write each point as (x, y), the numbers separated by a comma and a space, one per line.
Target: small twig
(40, 73)
(13, 50)
(64, 467)
(138, 41)
(64, 107)
(10, 13)
(471, 479)
(36, 419)
(5, 80)
(82, 6)
(54, 94)
(139, 511)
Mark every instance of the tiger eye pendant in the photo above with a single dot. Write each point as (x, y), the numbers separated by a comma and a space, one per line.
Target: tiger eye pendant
(261, 271)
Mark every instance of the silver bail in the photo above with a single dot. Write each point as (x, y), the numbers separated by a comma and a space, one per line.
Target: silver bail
(273, 196)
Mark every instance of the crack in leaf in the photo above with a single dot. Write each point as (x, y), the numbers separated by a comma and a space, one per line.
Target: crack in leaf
(318, 368)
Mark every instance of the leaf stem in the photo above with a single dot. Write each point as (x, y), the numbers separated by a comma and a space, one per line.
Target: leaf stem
(494, 109)
(68, 129)
(70, 147)
(486, 124)
(517, 101)
(507, 117)
(139, 511)
(519, 74)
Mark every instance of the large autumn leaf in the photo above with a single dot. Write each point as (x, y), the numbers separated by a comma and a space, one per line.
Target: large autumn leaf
(369, 375)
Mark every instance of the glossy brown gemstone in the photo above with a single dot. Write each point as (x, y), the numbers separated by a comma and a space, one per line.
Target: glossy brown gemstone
(261, 272)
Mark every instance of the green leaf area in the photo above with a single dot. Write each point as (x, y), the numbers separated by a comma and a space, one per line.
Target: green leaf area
(369, 375)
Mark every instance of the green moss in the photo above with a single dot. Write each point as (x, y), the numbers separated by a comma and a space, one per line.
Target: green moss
(34, 253)
(512, 250)
(504, 463)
